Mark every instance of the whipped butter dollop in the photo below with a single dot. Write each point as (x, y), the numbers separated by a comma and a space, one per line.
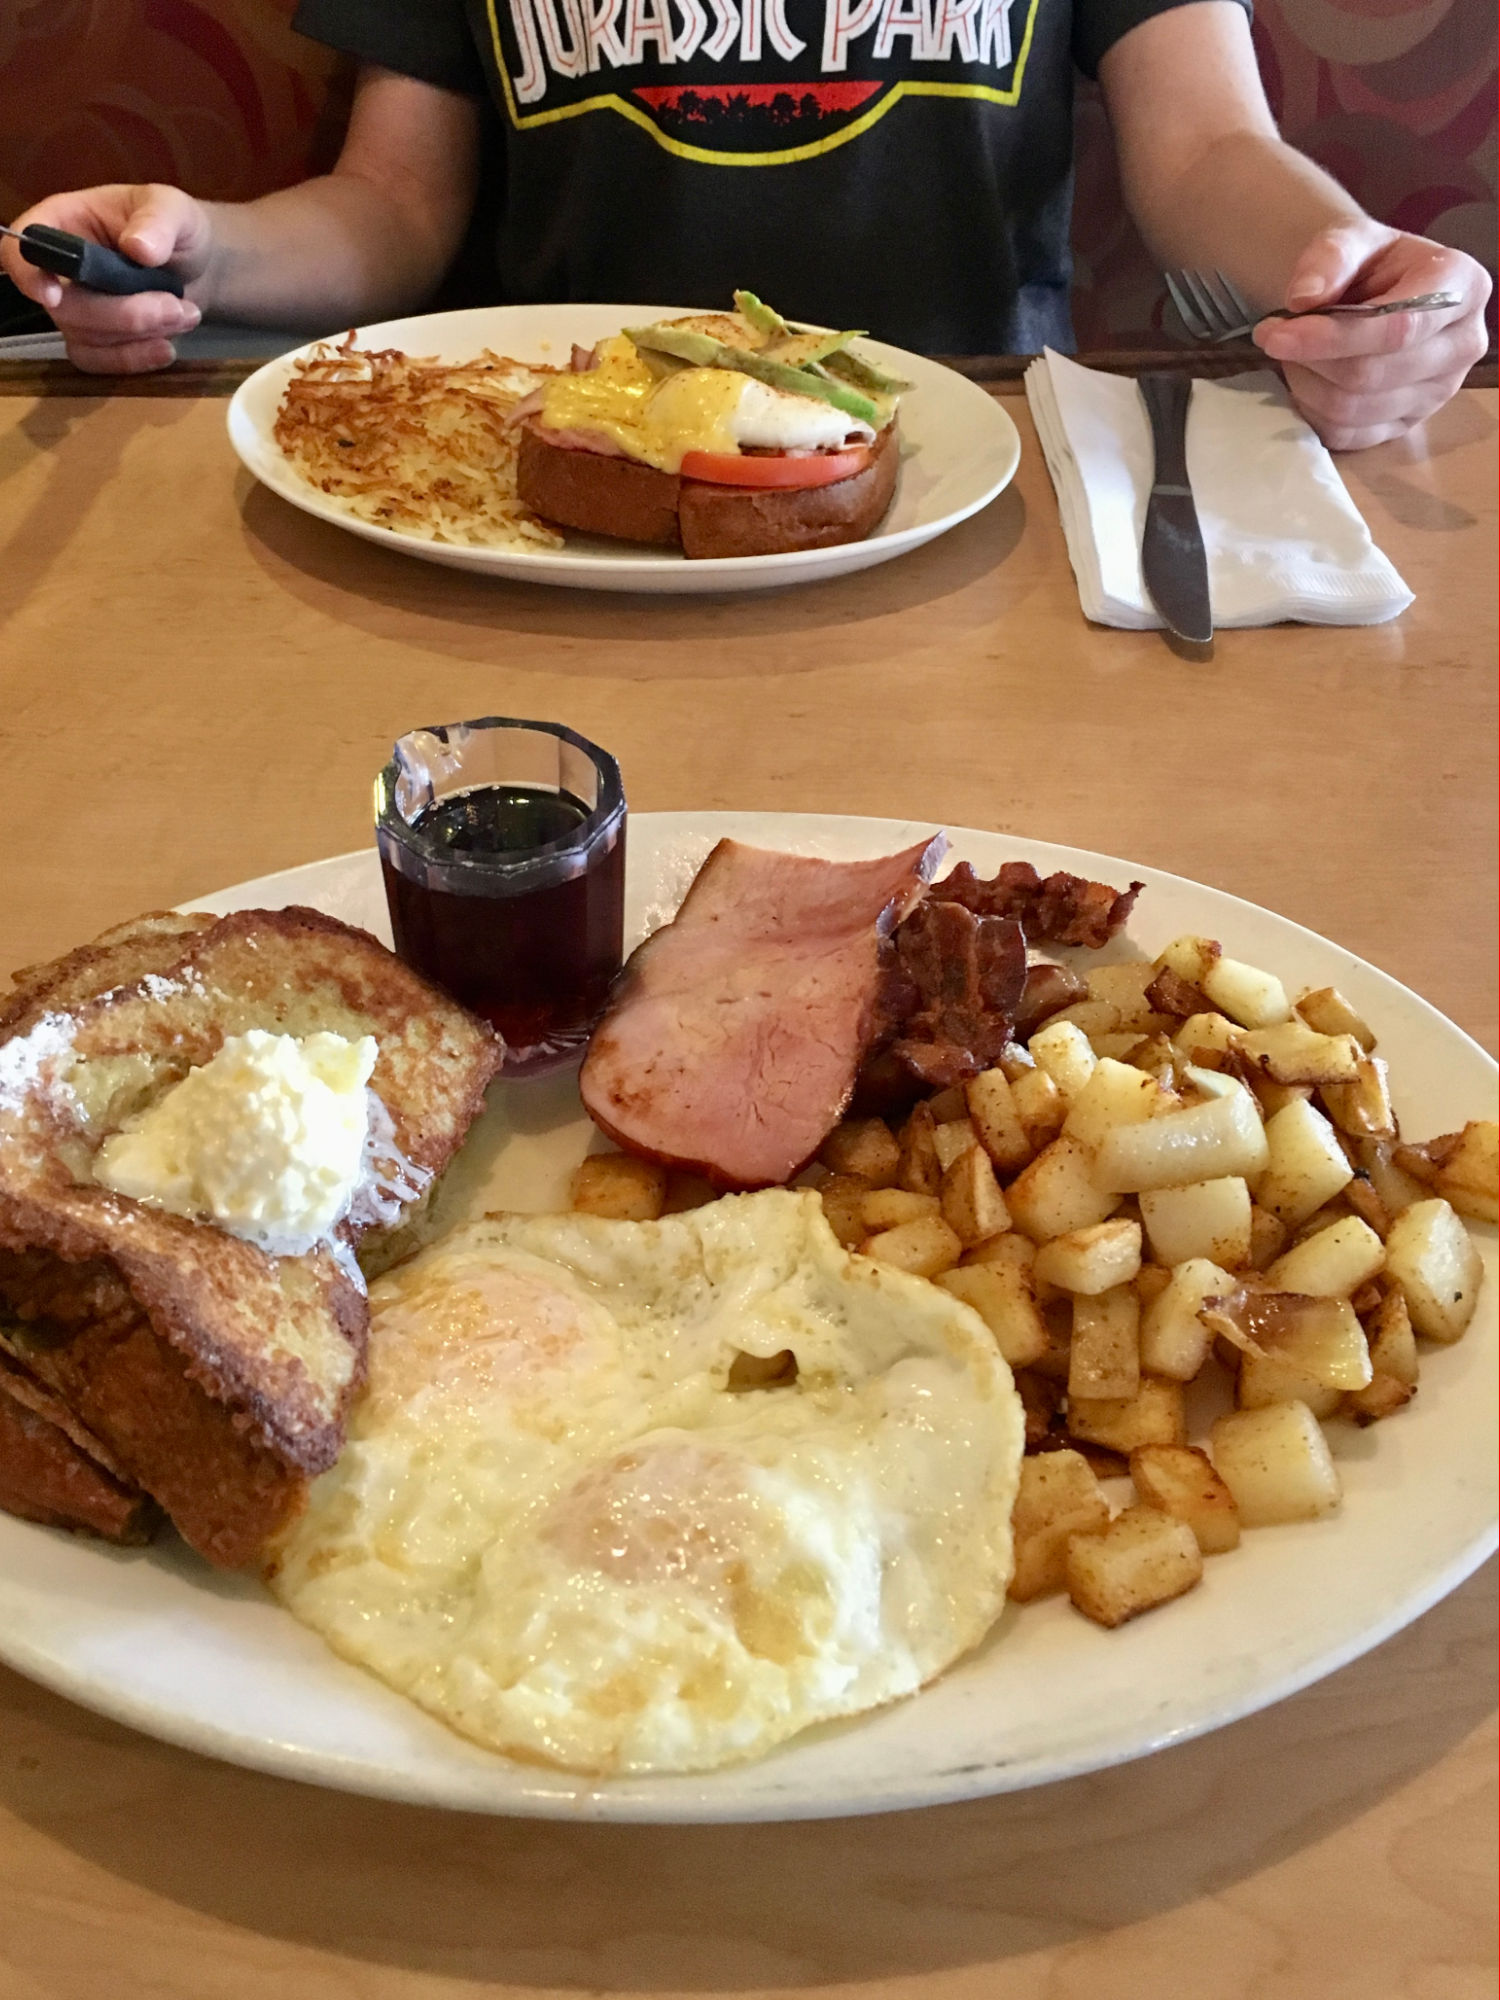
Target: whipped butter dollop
(267, 1139)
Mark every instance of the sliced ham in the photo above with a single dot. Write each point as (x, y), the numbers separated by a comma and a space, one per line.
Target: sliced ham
(731, 1044)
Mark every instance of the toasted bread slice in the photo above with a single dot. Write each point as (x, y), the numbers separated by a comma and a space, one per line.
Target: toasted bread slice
(55, 1471)
(216, 1375)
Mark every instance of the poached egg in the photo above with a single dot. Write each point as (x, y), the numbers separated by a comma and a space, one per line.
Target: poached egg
(659, 419)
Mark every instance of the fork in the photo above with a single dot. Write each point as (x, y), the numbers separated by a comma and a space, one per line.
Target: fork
(1211, 308)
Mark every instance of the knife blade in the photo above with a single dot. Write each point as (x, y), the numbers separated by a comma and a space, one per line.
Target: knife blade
(1173, 564)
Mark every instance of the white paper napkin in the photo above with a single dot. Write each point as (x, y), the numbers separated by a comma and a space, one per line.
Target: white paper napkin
(1282, 536)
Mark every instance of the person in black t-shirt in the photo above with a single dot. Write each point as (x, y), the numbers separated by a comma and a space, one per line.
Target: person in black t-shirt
(902, 165)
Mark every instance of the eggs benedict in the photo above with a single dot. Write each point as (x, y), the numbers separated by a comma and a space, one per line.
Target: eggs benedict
(728, 434)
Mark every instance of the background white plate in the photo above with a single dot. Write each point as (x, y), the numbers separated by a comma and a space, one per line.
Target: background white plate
(959, 450)
(157, 1639)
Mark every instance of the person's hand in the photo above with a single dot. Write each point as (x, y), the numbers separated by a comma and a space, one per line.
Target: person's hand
(107, 334)
(1360, 381)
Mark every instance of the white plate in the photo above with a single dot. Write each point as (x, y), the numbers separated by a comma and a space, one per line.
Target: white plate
(959, 450)
(158, 1640)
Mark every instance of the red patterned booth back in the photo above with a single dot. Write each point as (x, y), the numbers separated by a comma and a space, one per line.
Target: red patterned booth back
(1395, 97)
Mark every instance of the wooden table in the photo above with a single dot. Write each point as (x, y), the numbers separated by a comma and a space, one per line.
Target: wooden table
(196, 685)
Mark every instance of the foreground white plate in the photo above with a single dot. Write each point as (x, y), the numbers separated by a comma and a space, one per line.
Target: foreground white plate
(959, 450)
(157, 1639)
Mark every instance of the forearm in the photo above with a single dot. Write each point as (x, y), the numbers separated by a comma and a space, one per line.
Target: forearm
(1247, 204)
(325, 252)
(371, 239)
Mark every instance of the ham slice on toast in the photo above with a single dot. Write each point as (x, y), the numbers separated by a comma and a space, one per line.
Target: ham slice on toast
(732, 1041)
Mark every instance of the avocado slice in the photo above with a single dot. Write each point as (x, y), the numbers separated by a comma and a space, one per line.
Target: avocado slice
(765, 319)
(863, 374)
(801, 350)
(704, 352)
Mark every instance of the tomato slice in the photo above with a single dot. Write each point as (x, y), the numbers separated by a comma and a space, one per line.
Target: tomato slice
(732, 468)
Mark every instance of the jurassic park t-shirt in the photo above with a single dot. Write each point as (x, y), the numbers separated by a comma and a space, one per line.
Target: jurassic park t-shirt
(899, 165)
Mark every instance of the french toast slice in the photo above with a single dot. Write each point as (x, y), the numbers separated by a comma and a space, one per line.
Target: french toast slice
(55, 1471)
(215, 1375)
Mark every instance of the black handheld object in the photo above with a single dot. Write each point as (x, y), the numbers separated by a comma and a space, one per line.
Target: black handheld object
(68, 256)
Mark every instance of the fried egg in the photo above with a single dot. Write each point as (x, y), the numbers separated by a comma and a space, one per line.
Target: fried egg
(564, 1524)
(660, 419)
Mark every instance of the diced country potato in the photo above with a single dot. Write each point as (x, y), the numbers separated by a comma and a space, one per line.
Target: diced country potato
(1276, 1463)
(1336, 1261)
(1190, 958)
(1123, 987)
(1174, 1340)
(1058, 1192)
(1393, 1340)
(619, 1186)
(1105, 1357)
(1205, 1219)
(920, 1171)
(1384, 1396)
(1433, 1259)
(1090, 1017)
(1153, 1415)
(1205, 1142)
(956, 1136)
(863, 1146)
(1361, 1196)
(1011, 1247)
(1116, 1094)
(1362, 1108)
(1329, 1012)
(842, 1196)
(1002, 1295)
(1266, 1380)
(1380, 1159)
(1274, 1097)
(1091, 1260)
(1267, 1237)
(949, 1104)
(1014, 1060)
(1181, 1481)
(1143, 1558)
(1206, 1038)
(1393, 1361)
(686, 1191)
(992, 1109)
(1057, 1317)
(1253, 998)
(884, 1208)
(1039, 1105)
(1292, 1052)
(1041, 1404)
(1468, 1173)
(1058, 1497)
(973, 1206)
(1307, 1165)
(1062, 1050)
(1119, 1046)
(1151, 1280)
(924, 1246)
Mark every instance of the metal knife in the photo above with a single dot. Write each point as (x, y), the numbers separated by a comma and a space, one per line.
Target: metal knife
(1173, 564)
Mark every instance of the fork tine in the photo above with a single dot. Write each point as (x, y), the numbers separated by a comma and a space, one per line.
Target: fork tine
(1209, 310)
(1239, 307)
(1187, 312)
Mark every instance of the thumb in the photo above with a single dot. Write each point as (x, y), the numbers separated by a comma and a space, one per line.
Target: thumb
(1330, 264)
(158, 220)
